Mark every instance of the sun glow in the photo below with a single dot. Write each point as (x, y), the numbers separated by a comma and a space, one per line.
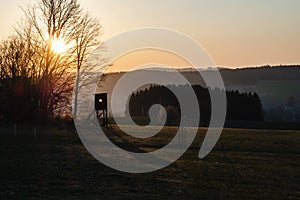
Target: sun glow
(59, 46)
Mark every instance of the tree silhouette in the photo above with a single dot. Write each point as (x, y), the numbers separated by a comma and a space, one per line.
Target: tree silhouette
(240, 106)
(33, 72)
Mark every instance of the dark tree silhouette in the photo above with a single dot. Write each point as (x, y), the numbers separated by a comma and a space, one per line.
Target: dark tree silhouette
(36, 82)
(240, 106)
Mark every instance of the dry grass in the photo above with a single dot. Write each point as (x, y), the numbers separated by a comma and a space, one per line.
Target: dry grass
(245, 164)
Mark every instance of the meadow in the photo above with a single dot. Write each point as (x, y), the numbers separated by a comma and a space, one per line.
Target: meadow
(245, 164)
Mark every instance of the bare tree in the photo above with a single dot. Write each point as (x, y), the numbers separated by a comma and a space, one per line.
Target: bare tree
(51, 20)
(54, 73)
(86, 41)
(17, 89)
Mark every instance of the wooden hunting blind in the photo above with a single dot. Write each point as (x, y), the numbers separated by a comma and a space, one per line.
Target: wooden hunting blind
(101, 108)
(101, 101)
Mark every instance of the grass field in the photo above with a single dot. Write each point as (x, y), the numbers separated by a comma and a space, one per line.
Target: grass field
(245, 164)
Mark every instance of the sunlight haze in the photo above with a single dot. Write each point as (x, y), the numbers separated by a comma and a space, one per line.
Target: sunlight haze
(234, 33)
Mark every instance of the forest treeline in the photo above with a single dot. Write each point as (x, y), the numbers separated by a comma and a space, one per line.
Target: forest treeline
(240, 106)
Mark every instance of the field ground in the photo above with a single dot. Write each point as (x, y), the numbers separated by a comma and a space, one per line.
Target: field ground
(245, 164)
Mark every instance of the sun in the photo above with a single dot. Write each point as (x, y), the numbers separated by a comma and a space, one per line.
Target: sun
(59, 46)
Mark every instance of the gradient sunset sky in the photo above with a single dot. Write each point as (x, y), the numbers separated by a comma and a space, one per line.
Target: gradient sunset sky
(236, 33)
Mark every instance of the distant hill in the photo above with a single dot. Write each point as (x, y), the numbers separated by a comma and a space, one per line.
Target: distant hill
(251, 76)
(275, 85)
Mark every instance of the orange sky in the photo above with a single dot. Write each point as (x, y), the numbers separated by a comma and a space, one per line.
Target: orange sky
(235, 33)
(137, 58)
